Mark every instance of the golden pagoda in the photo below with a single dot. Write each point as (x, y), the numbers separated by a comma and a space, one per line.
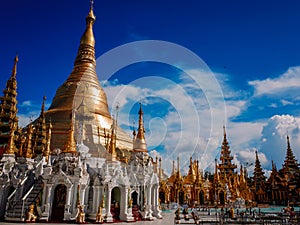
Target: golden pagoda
(82, 94)
(8, 114)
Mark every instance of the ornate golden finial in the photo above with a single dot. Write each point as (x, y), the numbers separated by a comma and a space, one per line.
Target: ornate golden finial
(288, 142)
(14, 70)
(88, 35)
(224, 131)
(43, 105)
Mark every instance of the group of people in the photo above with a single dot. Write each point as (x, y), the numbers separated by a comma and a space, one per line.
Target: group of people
(186, 216)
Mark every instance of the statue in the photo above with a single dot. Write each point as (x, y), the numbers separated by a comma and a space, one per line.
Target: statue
(80, 217)
(31, 217)
(130, 203)
(99, 217)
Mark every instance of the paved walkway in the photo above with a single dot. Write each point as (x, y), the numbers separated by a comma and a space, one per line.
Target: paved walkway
(168, 219)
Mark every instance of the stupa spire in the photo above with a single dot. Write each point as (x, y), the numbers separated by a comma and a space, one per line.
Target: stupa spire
(259, 174)
(113, 137)
(8, 113)
(139, 143)
(40, 134)
(70, 144)
(141, 129)
(173, 168)
(88, 35)
(14, 70)
(226, 166)
(290, 163)
(48, 151)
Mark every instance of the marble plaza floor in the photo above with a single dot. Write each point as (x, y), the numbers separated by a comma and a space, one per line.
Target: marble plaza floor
(206, 218)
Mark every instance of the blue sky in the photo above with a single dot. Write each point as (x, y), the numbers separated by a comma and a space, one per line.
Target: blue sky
(251, 47)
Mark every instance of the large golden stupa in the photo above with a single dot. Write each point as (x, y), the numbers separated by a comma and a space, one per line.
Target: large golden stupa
(81, 96)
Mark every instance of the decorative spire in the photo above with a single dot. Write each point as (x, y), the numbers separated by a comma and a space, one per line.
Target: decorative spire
(173, 168)
(178, 168)
(14, 70)
(10, 148)
(29, 152)
(216, 176)
(190, 178)
(113, 138)
(112, 145)
(70, 145)
(242, 175)
(88, 35)
(290, 163)
(160, 170)
(226, 166)
(139, 143)
(43, 106)
(40, 135)
(224, 132)
(258, 174)
(48, 150)
(274, 166)
(141, 129)
(8, 113)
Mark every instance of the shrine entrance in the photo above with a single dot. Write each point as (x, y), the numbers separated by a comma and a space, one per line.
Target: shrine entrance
(162, 197)
(181, 197)
(222, 198)
(201, 197)
(134, 197)
(115, 203)
(59, 201)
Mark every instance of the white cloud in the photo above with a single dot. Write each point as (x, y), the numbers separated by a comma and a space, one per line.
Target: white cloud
(286, 102)
(285, 82)
(274, 141)
(186, 129)
(26, 103)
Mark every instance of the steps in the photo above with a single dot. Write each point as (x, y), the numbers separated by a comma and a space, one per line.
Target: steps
(17, 208)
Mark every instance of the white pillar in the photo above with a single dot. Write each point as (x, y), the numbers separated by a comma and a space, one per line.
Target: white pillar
(96, 201)
(123, 203)
(47, 204)
(109, 218)
(149, 202)
(156, 206)
(67, 213)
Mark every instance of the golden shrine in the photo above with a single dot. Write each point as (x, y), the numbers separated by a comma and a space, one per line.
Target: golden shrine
(227, 187)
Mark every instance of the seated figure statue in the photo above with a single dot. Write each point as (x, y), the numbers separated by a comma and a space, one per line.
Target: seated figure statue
(99, 216)
(31, 217)
(80, 217)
